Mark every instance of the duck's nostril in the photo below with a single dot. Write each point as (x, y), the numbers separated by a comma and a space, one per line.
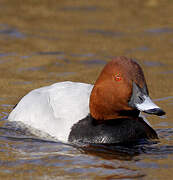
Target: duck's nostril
(156, 111)
(141, 99)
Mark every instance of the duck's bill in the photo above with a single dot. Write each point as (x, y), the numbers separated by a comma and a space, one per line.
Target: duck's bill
(149, 107)
(141, 101)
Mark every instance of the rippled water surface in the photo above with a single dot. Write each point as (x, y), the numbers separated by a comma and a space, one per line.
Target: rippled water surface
(43, 42)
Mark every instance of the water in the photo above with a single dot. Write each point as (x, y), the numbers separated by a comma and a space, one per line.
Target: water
(48, 42)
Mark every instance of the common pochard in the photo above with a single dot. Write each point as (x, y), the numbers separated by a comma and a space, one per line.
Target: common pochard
(108, 112)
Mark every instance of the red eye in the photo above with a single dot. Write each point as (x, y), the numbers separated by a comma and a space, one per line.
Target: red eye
(118, 77)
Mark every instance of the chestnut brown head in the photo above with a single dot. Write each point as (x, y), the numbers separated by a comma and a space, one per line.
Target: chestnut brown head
(121, 92)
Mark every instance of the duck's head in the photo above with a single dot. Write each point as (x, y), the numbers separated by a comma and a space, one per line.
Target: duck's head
(121, 92)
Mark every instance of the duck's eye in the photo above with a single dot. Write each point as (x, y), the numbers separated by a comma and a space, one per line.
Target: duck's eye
(117, 77)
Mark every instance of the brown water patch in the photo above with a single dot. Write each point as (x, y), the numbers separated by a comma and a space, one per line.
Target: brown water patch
(55, 35)
(138, 49)
(31, 69)
(62, 74)
(94, 62)
(22, 82)
(80, 8)
(152, 63)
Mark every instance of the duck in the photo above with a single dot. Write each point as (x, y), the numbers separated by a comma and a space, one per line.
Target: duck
(108, 112)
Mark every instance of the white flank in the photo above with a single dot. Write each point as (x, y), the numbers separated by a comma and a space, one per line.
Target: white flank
(54, 109)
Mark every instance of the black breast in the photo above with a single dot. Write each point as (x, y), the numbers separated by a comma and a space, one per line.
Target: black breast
(113, 131)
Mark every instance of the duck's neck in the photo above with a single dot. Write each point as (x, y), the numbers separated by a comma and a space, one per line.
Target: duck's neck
(125, 114)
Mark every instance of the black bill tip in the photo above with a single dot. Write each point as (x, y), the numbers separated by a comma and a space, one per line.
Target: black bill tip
(156, 111)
